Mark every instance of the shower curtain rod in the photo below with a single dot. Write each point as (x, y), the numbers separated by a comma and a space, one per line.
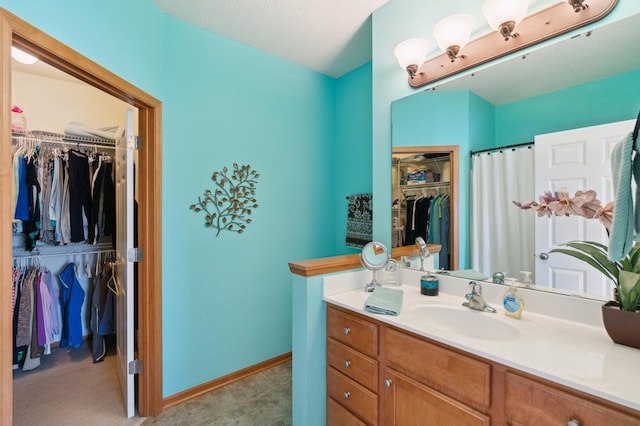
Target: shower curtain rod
(499, 148)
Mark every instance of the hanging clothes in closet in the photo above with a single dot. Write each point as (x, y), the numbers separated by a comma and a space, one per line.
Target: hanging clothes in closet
(46, 310)
(62, 196)
(417, 218)
(71, 300)
(439, 227)
(27, 195)
(428, 217)
(103, 305)
(36, 320)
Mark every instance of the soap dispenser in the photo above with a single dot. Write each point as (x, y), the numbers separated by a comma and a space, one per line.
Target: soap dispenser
(526, 280)
(513, 302)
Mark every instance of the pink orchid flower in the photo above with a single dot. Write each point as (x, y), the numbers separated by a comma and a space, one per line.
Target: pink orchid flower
(560, 203)
(605, 214)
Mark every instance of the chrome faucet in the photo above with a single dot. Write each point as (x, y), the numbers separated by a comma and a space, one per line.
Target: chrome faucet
(475, 300)
(498, 277)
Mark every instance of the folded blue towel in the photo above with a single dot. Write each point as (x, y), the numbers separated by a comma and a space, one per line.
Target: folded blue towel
(384, 301)
(468, 274)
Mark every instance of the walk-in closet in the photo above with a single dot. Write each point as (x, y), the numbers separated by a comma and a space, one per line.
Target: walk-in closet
(424, 198)
(65, 284)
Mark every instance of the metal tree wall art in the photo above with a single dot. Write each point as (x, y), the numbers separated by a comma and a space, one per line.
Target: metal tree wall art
(229, 205)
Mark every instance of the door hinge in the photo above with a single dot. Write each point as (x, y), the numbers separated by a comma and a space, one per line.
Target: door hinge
(134, 142)
(135, 366)
(134, 254)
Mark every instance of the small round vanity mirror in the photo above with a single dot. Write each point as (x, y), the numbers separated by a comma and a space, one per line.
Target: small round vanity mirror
(374, 256)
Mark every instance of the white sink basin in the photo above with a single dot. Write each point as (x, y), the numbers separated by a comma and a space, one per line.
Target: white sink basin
(464, 321)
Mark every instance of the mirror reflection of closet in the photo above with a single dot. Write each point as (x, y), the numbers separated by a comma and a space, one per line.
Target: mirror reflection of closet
(423, 177)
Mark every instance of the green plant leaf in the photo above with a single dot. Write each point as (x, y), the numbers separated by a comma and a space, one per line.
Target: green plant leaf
(599, 254)
(588, 259)
(629, 290)
(634, 258)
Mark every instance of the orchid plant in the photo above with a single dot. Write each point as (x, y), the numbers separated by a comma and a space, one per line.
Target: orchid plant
(625, 273)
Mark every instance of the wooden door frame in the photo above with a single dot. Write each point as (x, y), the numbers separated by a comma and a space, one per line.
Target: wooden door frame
(17, 32)
(454, 195)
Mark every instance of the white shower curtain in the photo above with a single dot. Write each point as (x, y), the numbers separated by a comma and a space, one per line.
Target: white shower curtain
(502, 235)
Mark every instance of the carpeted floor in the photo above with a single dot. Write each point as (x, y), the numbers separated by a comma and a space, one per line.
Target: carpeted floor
(263, 399)
(68, 389)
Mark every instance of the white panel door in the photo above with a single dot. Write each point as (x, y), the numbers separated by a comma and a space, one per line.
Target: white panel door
(124, 242)
(578, 159)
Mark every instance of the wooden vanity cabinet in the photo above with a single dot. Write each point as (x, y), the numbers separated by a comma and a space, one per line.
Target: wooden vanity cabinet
(529, 401)
(379, 374)
(410, 402)
(427, 384)
(352, 369)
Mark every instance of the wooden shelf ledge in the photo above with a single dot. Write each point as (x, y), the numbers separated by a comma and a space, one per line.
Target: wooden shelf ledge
(326, 265)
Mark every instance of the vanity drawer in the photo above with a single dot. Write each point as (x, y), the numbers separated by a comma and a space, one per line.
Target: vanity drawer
(456, 375)
(361, 368)
(353, 396)
(337, 415)
(355, 332)
(528, 402)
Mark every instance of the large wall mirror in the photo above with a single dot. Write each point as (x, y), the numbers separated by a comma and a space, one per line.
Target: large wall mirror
(590, 79)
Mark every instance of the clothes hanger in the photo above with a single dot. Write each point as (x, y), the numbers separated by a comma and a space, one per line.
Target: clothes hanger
(112, 284)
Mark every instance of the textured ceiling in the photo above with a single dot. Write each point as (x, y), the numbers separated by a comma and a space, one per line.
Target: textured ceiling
(332, 37)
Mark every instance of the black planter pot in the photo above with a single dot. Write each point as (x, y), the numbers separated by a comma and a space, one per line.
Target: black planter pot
(623, 327)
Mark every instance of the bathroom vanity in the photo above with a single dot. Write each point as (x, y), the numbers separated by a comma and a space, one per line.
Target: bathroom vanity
(441, 363)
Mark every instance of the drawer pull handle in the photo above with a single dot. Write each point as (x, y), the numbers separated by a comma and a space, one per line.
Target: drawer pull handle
(388, 382)
(346, 395)
(573, 422)
(346, 330)
(347, 363)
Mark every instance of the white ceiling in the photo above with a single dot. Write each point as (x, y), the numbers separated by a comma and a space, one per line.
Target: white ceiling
(332, 37)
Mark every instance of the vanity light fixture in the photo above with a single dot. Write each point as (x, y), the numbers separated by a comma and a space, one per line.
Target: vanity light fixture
(23, 57)
(578, 5)
(452, 34)
(411, 52)
(504, 17)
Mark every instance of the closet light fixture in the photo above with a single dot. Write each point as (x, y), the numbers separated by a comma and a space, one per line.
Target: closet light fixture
(512, 30)
(23, 57)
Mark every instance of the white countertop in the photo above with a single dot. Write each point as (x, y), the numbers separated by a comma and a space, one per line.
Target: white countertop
(573, 350)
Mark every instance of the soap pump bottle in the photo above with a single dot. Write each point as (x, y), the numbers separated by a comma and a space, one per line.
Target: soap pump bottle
(512, 301)
(526, 280)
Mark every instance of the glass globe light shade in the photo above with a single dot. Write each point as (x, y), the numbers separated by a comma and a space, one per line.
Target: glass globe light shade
(498, 12)
(454, 30)
(412, 51)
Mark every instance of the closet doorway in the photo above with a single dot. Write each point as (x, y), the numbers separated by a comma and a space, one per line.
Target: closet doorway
(18, 33)
(425, 171)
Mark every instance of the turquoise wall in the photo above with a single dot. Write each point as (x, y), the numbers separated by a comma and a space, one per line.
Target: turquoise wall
(446, 118)
(612, 99)
(353, 145)
(392, 23)
(226, 300)
(123, 36)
